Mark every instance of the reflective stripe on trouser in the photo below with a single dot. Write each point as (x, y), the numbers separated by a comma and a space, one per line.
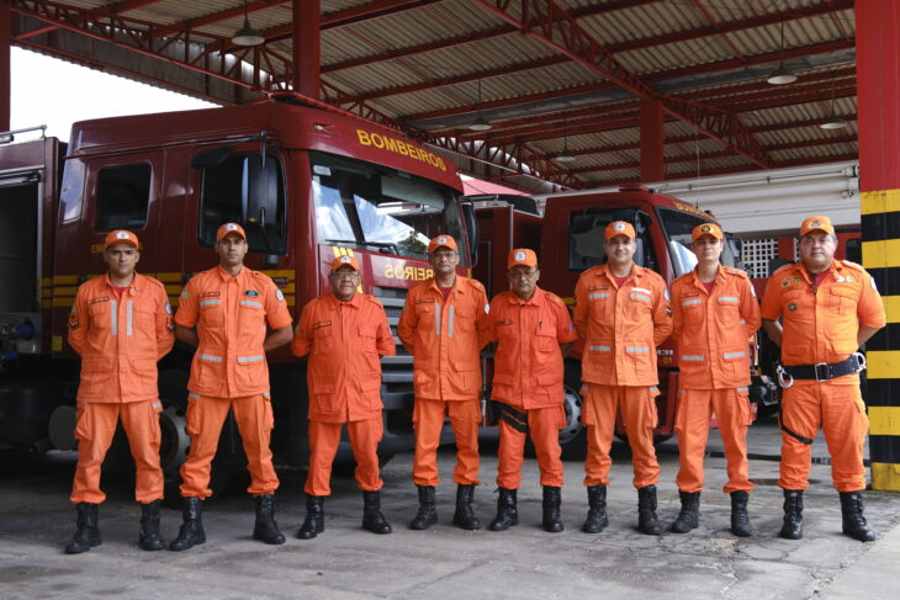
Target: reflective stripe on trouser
(205, 417)
(637, 406)
(840, 412)
(95, 429)
(732, 409)
(428, 420)
(324, 439)
(543, 427)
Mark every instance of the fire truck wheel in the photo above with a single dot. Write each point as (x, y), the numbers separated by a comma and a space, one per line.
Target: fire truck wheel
(572, 437)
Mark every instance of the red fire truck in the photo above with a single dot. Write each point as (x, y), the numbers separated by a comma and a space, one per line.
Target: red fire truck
(570, 240)
(307, 182)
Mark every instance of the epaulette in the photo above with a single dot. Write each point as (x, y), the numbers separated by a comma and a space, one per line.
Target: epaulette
(852, 265)
(373, 300)
(783, 268)
(736, 271)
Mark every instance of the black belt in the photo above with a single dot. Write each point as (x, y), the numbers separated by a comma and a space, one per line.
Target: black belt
(824, 371)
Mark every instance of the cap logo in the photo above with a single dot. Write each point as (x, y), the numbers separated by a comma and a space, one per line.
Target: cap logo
(345, 260)
(619, 226)
(815, 223)
(520, 256)
(442, 239)
(706, 229)
(121, 235)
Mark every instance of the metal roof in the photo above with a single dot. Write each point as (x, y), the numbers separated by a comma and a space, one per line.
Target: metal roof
(565, 75)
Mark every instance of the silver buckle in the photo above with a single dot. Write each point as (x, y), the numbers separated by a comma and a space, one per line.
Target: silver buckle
(827, 371)
(861, 361)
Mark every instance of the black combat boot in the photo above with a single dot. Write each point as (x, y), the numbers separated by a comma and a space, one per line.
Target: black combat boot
(689, 516)
(552, 521)
(854, 523)
(507, 511)
(464, 517)
(427, 514)
(148, 537)
(792, 529)
(740, 520)
(314, 523)
(191, 532)
(373, 520)
(647, 522)
(266, 529)
(87, 532)
(596, 518)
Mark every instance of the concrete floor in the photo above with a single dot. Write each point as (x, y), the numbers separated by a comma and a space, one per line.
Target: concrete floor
(36, 520)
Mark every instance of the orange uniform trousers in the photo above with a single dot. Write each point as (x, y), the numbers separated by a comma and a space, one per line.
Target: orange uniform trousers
(95, 429)
(205, 417)
(324, 439)
(637, 406)
(428, 421)
(732, 409)
(543, 427)
(839, 410)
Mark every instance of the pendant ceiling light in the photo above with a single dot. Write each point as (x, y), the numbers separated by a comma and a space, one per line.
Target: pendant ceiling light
(781, 76)
(834, 121)
(246, 36)
(480, 123)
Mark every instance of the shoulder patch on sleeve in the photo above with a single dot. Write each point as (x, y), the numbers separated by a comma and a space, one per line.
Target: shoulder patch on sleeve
(738, 272)
(279, 295)
(185, 294)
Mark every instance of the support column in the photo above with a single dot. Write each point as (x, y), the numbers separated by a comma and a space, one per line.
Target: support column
(307, 52)
(653, 135)
(878, 90)
(5, 85)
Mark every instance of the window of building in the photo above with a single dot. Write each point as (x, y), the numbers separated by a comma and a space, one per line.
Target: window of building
(756, 256)
(123, 195)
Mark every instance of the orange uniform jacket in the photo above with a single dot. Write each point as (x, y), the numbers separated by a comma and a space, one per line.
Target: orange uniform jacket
(344, 340)
(528, 364)
(821, 325)
(712, 329)
(230, 314)
(446, 338)
(120, 342)
(621, 326)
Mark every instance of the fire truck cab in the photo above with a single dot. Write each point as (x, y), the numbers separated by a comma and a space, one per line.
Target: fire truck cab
(307, 182)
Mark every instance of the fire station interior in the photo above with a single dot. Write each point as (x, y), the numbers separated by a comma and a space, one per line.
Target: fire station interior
(508, 124)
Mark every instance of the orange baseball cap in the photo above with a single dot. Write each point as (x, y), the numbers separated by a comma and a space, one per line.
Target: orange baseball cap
(816, 223)
(442, 241)
(120, 236)
(344, 261)
(710, 229)
(521, 257)
(228, 229)
(619, 228)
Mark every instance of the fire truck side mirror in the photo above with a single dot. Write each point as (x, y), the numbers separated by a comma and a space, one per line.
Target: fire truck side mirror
(471, 221)
(259, 194)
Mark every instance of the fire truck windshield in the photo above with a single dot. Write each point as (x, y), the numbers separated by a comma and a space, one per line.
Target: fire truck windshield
(363, 205)
(678, 226)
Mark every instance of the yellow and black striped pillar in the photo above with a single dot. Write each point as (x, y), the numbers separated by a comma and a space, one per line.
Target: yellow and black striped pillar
(878, 96)
(881, 257)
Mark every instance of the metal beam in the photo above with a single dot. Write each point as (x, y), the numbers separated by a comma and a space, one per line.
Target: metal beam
(5, 81)
(657, 78)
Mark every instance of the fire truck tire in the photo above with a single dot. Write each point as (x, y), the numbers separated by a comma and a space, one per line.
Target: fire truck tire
(573, 437)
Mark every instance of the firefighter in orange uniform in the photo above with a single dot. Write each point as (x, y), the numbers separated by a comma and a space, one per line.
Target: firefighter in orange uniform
(345, 333)
(444, 325)
(622, 313)
(828, 309)
(120, 325)
(529, 324)
(715, 314)
(224, 312)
